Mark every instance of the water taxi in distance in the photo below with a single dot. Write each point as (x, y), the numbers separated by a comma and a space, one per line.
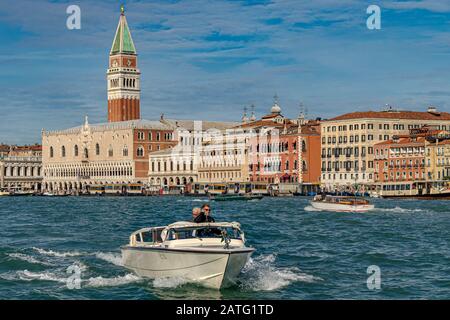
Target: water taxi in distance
(341, 204)
(4, 193)
(211, 254)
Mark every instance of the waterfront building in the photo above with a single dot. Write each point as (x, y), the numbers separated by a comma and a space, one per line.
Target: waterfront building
(21, 168)
(111, 153)
(176, 169)
(400, 164)
(115, 152)
(285, 151)
(348, 142)
(4, 149)
(172, 170)
(438, 158)
(223, 157)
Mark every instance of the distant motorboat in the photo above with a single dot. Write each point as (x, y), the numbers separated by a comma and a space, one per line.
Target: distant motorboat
(374, 194)
(21, 193)
(211, 254)
(341, 204)
(4, 193)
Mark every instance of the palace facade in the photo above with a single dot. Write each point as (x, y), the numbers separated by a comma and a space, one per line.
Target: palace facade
(110, 153)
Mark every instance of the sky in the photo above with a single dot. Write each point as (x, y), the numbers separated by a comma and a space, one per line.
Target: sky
(208, 59)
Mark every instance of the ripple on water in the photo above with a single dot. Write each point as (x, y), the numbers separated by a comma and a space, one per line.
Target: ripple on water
(409, 240)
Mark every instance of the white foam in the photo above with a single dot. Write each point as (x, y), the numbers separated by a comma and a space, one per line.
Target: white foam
(110, 257)
(45, 276)
(261, 274)
(172, 282)
(10, 276)
(111, 282)
(28, 258)
(58, 254)
(398, 210)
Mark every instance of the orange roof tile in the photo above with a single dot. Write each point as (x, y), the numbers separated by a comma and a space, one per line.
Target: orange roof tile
(407, 115)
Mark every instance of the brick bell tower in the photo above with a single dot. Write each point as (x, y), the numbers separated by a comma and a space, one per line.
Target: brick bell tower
(123, 76)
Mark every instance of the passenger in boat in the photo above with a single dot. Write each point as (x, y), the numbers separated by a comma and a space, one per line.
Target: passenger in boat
(195, 213)
(205, 216)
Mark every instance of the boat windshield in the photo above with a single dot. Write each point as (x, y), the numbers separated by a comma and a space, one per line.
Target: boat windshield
(204, 232)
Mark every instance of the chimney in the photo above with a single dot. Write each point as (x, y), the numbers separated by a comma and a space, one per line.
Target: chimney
(432, 110)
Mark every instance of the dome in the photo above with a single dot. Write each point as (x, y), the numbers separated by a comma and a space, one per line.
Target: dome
(275, 108)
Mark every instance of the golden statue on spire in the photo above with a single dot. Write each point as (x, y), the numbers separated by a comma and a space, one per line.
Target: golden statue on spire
(122, 9)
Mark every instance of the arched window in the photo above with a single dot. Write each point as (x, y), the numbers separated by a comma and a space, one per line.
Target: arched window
(51, 152)
(86, 153)
(125, 151)
(63, 151)
(75, 151)
(97, 149)
(110, 151)
(140, 151)
(303, 146)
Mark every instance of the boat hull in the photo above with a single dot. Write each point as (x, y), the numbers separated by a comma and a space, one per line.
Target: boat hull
(210, 268)
(325, 206)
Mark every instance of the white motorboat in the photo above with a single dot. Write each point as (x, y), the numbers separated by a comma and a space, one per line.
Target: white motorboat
(4, 193)
(211, 254)
(341, 204)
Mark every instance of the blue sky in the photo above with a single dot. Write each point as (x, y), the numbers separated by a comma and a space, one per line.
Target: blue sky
(207, 59)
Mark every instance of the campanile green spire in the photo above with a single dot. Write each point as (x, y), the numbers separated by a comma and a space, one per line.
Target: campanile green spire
(123, 43)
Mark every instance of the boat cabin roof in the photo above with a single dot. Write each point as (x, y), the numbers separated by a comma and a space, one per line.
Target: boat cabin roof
(189, 225)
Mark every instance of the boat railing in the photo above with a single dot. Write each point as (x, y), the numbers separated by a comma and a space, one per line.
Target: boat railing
(147, 236)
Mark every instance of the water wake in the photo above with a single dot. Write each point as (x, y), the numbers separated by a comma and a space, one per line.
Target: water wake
(26, 275)
(58, 254)
(112, 282)
(261, 274)
(115, 259)
(399, 210)
(29, 259)
(172, 282)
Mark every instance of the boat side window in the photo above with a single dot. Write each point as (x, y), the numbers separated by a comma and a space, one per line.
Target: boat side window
(147, 236)
(138, 237)
(157, 235)
(173, 235)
